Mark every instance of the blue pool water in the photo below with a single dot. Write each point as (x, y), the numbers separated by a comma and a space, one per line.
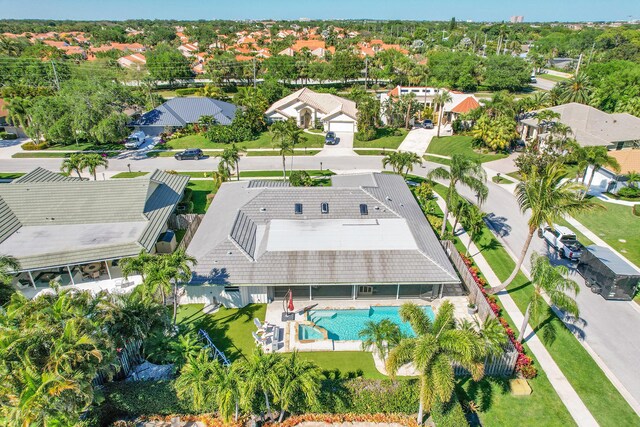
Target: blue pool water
(308, 332)
(345, 325)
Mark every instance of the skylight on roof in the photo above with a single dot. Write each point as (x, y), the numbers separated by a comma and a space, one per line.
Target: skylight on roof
(324, 208)
(298, 208)
(364, 209)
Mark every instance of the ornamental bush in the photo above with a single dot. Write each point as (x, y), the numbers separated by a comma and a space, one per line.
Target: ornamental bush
(186, 91)
(228, 134)
(8, 136)
(448, 414)
(630, 192)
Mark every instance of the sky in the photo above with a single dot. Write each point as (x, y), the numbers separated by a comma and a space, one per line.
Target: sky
(476, 10)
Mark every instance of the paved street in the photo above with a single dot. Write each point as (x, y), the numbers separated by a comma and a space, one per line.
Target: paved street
(608, 326)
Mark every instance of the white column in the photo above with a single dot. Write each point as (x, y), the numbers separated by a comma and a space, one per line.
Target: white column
(310, 295)
(73, 282)
(398, 292)
(355, 291)
(33, 282)
(106, 264)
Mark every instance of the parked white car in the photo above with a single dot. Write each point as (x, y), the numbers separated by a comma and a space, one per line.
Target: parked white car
(135, 140)
(563, 240)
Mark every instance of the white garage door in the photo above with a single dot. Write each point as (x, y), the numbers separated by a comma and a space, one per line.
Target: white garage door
(341, 126)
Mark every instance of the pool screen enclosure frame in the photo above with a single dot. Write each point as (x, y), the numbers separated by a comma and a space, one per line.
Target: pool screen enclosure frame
(364, 291)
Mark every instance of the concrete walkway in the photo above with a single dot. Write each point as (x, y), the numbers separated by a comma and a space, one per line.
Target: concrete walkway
(417, 141)
(559, 382)
(607, 199)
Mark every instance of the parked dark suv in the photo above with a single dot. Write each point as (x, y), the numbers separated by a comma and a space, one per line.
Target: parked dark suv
(330, 138)
(191, 153)
(427, 124)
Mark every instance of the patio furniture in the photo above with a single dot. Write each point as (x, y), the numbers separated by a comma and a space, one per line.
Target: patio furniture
(23, 283)
(261, 340)
(95, 275)
(263, 328)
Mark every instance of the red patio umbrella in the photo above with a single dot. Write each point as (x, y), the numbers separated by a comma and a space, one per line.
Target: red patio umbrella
(290, 307)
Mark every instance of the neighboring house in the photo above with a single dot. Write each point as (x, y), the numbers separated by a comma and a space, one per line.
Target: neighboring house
(316, 48)
(188, 49)
(461, 103)
(135, 61)
(66, 47)
(608, 180)
(178, 112)
(311, 108)
(365, 237)
(75, 231)
(589, 126)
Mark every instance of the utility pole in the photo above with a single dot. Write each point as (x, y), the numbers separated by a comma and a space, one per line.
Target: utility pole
(499, 43)
(55, 74)
(254, 73)
(593, 46)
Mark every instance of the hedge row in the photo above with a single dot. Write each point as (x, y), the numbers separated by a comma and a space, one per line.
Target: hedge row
(8, 136)
(186, 91)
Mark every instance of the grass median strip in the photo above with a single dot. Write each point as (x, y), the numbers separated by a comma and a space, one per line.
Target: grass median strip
(276, 153)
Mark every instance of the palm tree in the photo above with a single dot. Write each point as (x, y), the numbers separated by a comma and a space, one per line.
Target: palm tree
(440, 100)
(383, 336)
(236, 158)
(227, 159)
(187, 346)
(18, 111)
(92, 161)
(548, 197)
(137, 264)
(179, 264)
(463, 170)
(633, 178)
(74, 163)
(438, 344)
(221, 175)
(299, 378)
(494, 338)
(194, 382)
(392, 159)
(259, 373)
(598, 157)
(577, 89)
(473, 222)
(227, 386)
(279, 138)
(8, 265)
(555, 284)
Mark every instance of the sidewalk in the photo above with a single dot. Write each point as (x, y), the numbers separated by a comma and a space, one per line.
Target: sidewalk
(559, 382)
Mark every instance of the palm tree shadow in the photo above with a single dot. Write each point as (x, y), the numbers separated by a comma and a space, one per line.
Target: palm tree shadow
(499, 224)
(574, 325)
(482, 393)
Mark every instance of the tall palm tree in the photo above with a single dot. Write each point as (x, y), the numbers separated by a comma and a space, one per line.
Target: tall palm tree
(383, 336)
(440, 100)
(466, 171)
(227, 159)
(221, 175)
(279, 138)
(178, 264)
(548, 197)
(18, 111)
(227, 385)
(555, 284)
(598, 157)
(137, 264)
(259, 373)
(299, 378)
(438, 344)
(392, 159)
(633, 178)
(74, 163)
(577, 89)
(92, 161)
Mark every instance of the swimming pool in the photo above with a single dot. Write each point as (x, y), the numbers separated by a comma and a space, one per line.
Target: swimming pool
(343, 325)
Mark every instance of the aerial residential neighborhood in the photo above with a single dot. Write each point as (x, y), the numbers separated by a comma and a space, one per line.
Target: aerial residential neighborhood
(358, 213)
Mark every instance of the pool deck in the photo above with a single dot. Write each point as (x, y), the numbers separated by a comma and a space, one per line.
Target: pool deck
(288, 330)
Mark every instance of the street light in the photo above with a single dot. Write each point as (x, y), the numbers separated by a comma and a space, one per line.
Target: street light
(498, 174)
(129, 166)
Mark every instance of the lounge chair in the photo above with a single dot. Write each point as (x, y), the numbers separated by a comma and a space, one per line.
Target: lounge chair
(263, 328)
(261, 340)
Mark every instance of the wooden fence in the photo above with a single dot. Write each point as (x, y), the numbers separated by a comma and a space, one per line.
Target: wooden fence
(188, 222)
(500, 366)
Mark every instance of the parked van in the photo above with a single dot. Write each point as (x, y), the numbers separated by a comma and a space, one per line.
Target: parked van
(135, 140)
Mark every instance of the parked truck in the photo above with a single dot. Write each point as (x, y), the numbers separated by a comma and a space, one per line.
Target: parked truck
(608, 274)
(562, 240)
(135, 140)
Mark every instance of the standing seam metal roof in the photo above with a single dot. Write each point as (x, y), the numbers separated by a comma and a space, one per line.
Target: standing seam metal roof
(180, 111)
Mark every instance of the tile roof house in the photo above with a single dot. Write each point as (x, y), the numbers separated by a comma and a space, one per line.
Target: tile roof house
(365, 236)
(51, 222)
(309, 108)
(461, 103)
(178, 112)
(590, 126)
(134, 61)
(316, 47)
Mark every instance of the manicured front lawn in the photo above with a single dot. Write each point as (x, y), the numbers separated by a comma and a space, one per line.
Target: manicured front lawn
(384, 139)
(263, 141)
(278, 174)
(460, 144)
(379, 152)
(435, 159)
(84, 146)
(616, 225)
(51, 154)
(230, 329)
(551, 77)
(276, 153)
(129, 174)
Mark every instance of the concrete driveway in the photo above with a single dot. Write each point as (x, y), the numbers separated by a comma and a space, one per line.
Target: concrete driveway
(417, 141)
(344, 147)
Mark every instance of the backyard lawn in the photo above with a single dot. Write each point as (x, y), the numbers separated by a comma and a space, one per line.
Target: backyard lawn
(263, 141)
(10, 175)
(129, 175)
(460, 144)
(552, 77)
(384, 139)
(616, 225)
(200, 190)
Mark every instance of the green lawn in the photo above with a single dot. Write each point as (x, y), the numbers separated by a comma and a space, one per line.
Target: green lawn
(379, 152)
(275, 153)
(83, 146)
(435, 159)
(129, 174)
(613, 224)
(229, 329)
(11, 175)
(460, 144)
(501, 180)
(384, 139)
(263, 141)
(551, 77)
(278, 174)
(201, 188)
(50, 154)
(581, 237)
(349, 363)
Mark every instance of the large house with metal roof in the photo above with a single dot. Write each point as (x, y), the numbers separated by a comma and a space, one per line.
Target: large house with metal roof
(178, 112)
(364, 237)
(74, 231)
(310, 109)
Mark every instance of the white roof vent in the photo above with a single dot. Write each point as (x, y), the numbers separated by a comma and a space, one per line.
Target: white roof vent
(263, 209)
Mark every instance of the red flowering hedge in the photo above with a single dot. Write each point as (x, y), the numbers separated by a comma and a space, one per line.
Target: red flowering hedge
(524, 364)
(209, 420)
(346, 418)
